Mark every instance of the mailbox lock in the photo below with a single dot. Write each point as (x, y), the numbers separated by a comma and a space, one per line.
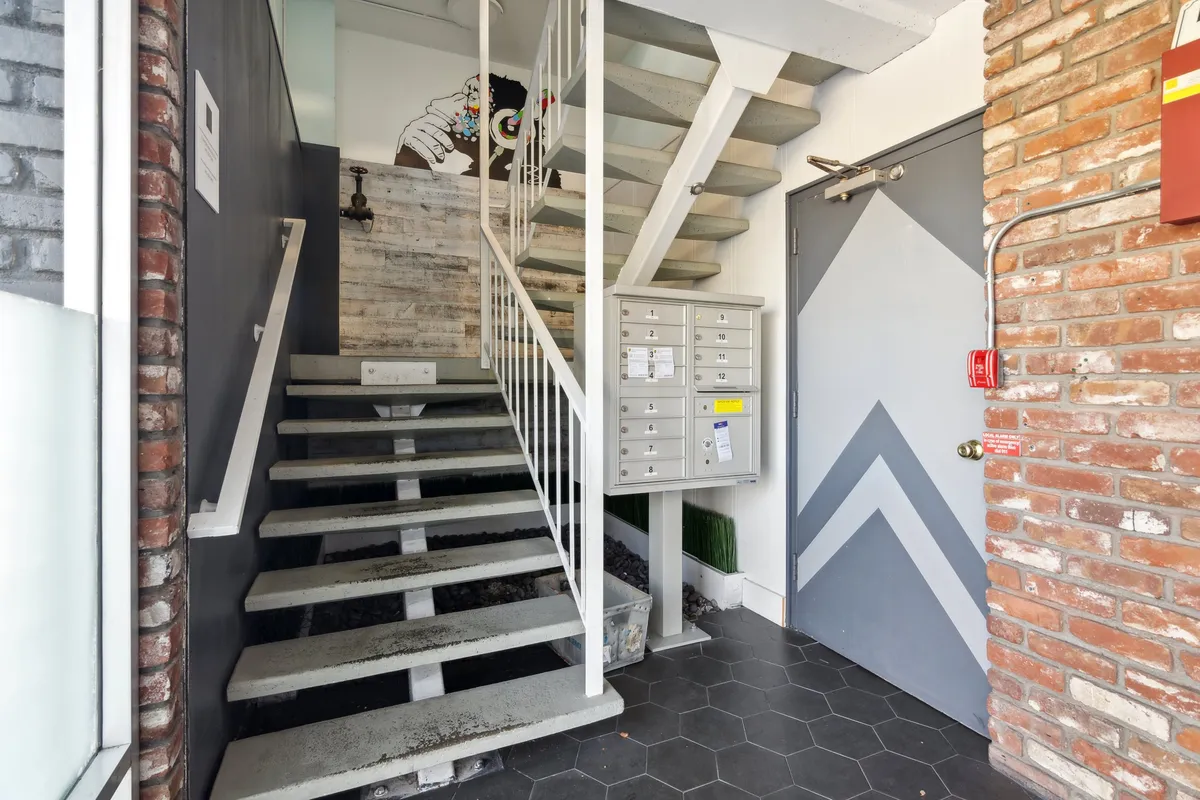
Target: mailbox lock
(624, 334)
(698, 337)
(624, 473)
(697, 377)
(624, 354)
(624, 429)
(698, 357)
(624, 408)
(624, 451)
(624, 376)
(705, 406)
(624, 312)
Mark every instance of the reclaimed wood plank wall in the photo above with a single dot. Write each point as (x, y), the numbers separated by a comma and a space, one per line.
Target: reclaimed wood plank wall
(410, 287)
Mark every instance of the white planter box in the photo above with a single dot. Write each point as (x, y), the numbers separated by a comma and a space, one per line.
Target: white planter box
(722, 588)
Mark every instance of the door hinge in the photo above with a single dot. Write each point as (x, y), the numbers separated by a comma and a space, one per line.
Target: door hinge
(795, 242)
(795, 405)
(796, 572)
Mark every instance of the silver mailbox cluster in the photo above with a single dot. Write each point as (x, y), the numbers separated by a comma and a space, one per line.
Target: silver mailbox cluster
(683, 390)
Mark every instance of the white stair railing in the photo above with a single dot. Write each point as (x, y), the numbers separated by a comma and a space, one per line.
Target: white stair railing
(560, 55)
(560, 427)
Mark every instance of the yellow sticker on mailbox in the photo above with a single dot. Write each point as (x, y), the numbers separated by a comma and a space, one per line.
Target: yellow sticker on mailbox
(729, 406)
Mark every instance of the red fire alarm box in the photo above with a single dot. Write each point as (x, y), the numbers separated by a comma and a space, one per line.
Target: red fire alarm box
(1181, 134)
(983, 369)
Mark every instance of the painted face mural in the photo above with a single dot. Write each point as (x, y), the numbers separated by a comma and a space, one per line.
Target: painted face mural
(447, 137)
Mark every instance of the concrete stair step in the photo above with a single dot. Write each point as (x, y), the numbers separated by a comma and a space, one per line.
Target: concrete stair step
(395, 514)
(650, 27)
(296, 664)
(348, 369)
(395, 395)
(342, 754)
(324, 583)
(556, 301)
(568, 211)
(646, 165)
(650, 96)
(572, 262)
(398, 467)
(394, 428)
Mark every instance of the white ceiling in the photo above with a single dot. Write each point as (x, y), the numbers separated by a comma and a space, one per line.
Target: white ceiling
(514, 35)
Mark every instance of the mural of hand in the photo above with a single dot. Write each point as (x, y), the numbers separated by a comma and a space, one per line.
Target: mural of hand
(429, 136)
(448, 108)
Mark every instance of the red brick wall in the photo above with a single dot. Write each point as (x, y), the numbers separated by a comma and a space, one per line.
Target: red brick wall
(1095, 530)
(162, 576)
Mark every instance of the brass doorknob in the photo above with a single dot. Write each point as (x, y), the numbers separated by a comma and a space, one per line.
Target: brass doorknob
(972, 449)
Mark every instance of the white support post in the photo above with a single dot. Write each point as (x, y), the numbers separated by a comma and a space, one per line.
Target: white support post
(593, 473)
(746, 68)
(667, 629)
(485, 147)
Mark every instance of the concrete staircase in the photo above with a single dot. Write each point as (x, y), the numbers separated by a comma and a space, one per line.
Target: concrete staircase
(428, 733)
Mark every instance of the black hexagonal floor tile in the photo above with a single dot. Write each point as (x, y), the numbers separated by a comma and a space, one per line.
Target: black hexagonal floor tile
(678, 694)
(820, 654)
(544, 757)
(648, 723)
(793, 793)
(903, 778)
(653, 668)
(910, 708)
(683, 653)
(817, 677)
(643, 787)
(845, 736)
(611, 759)
(914, 741)
(705, 671)
(858, 705)
(778, 733)
(682, 764)
(632, 691)
(752, 632)
(967, 778)
(798, 702)
(718, 790)
(505, 785)
(860, 678)
(724, 616)
(737, 698)
(711, 727)
(967, 742)
(711, 628)
(780, 653)
(727, 650)
(828, 774)
(759, 674)
(573, 785)
(595, 729)
(753, 769)
(797, 638)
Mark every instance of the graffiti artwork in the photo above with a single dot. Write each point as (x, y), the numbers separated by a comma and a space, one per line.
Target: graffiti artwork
(447, 137)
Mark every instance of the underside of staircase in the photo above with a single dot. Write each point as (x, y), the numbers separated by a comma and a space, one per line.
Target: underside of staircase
(357, 435)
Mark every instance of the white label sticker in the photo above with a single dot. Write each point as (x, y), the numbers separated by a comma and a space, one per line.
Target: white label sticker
(721, 434)
(208, 145)
(639, 362)
(664, 362)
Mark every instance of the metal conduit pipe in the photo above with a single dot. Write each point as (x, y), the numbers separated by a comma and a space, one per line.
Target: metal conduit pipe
(990, 274)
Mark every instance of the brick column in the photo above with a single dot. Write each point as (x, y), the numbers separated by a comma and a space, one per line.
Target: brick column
(161, 529)
(1095, 596)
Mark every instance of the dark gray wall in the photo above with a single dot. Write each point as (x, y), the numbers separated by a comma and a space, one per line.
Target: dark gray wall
(317, 292)
(232, 260)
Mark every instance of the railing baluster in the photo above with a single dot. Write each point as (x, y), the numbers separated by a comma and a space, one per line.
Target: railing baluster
(536, 433)
(558, 451)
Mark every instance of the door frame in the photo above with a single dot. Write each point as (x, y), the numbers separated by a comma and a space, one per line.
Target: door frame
(963, 126)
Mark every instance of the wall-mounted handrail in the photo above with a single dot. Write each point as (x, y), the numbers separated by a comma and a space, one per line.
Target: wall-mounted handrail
(225, 518)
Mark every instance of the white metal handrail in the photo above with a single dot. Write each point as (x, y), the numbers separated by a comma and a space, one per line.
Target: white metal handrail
(559, 426)
(225, 518)
(560, 55)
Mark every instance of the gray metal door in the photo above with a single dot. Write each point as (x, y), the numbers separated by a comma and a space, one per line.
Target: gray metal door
(887, 520)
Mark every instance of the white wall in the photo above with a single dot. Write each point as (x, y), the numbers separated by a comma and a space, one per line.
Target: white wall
(383, 84)
(935, 82)
(308, 54)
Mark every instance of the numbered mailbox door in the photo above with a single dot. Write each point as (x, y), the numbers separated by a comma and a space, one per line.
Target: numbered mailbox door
(724, 445)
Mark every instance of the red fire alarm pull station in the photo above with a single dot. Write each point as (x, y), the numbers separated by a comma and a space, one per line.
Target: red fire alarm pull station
(1181, 127)
(983, 369)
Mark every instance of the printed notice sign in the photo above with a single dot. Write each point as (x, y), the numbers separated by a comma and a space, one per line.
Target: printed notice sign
(1182, 87)
(1001, 444)
(639, 362)
(721, 434)
(208, 145)
(735, 406)
(664, 362)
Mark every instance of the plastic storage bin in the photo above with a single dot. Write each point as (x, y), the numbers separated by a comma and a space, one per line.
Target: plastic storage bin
(626, 615)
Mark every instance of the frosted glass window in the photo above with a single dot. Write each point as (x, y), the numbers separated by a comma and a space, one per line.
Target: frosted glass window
(49, 559)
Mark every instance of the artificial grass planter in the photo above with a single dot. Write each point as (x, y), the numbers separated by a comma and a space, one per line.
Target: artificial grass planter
(707, 535)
